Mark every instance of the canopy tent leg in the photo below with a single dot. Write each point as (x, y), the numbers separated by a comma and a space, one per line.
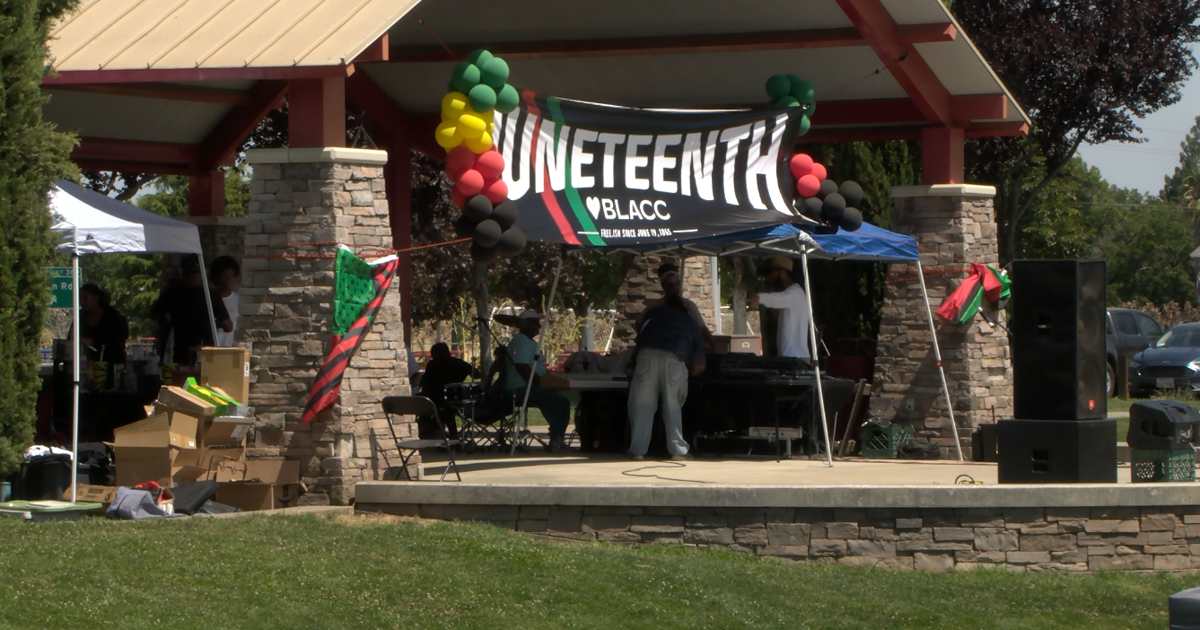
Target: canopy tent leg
(937, 354)
(523, 419)
(76, 335)
(812, 335)
(212, 316)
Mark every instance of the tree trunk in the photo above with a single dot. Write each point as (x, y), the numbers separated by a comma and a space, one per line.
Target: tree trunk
(479, 292)
(739, 296)
(587, 342)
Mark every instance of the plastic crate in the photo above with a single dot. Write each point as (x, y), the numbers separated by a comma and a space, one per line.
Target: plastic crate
(883, 442)
(1151, 465)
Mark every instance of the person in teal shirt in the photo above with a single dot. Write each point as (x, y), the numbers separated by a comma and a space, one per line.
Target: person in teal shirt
(525, 359)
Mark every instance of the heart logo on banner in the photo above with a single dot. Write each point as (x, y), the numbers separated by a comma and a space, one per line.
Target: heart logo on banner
(593, 206)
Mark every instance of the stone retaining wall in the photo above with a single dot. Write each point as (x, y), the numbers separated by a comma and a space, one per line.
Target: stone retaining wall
(1165, 538)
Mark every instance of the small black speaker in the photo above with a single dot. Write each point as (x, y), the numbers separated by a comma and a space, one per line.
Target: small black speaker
(1058, 339)
(1057, 451)
(1162, 425)
(983, 443)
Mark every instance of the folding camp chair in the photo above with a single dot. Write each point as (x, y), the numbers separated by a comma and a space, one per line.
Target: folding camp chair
(492, 422)
(421, 407)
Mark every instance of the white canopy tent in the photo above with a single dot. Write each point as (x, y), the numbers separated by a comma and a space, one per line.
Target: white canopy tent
(92, 223)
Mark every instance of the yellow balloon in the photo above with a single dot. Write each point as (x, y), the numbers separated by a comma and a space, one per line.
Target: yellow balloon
(483, 144)
(471, 126)
(491, 128)
(453, 106)
(447, 136)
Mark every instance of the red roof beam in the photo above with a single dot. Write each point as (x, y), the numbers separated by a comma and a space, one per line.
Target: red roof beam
(166, 154)
(677, 44)
(70, 77)
(160, 91)
(218, 148)
(882, 33)
(379, 50)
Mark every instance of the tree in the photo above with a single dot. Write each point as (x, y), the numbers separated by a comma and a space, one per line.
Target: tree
(32, 156)
(1182, 182)
(1147, 255)
(1068, 217)
(1084, 71)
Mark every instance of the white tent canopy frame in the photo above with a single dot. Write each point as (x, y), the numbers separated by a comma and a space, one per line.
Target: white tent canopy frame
(797, 242)
(92, 223)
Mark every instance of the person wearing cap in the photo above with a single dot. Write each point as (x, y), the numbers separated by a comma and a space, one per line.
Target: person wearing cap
(183, 310)
(672, 284)
(527, 361)
(791, 301)
(669, 346)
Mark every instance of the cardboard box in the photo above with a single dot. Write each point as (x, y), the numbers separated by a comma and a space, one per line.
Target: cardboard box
(92, 494)
(216, 463)
(227, 369)
(227, 431)
(180, 399)
(146, 450)
(269, 485)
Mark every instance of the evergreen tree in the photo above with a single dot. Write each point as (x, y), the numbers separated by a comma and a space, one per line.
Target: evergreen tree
(32, 156)
(1183, 180)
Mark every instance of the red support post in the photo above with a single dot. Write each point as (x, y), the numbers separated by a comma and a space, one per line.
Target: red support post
(942, 155)
(206, 194)
(317, 112)
(397, 177)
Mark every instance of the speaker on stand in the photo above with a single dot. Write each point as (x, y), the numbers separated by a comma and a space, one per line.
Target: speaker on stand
(1061, 432)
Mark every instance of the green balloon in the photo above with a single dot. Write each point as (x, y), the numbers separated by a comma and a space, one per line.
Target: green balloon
(482, 98)
(465, 77)
(802, 90)
(778, 87)
(508, 99)
(804, 125)
(494, 73)
(480, 57)
(784, 101)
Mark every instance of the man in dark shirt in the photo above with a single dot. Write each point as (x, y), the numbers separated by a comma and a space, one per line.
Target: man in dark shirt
(441, 370)
(184, 310)
(669, 345)
(105, 330)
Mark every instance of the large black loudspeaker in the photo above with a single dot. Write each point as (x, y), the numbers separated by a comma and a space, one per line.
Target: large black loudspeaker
(1058, 337)
(1162, 425)
(1057, 451)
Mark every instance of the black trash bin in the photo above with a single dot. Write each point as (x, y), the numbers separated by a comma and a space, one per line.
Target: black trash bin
(43, 478)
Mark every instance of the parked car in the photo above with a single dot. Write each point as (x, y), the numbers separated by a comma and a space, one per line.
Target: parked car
(1173, 362)
(1129, 332)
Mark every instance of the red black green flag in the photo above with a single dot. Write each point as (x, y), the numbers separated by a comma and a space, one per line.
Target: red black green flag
(982, 282)
(359, 295)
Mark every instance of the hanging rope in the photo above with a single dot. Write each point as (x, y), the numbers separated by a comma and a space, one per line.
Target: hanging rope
(366, 253)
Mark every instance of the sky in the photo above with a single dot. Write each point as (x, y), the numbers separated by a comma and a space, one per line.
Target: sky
(1143, 166)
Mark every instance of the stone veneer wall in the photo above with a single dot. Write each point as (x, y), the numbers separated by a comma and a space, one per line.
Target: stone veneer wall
(221, 236)
(641, 283)
(934, 539)
(953, 225)
(301, 196)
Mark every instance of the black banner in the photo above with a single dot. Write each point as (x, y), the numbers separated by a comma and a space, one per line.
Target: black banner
(594, 175)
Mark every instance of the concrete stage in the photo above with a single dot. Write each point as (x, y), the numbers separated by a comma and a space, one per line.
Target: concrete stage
(893, 513)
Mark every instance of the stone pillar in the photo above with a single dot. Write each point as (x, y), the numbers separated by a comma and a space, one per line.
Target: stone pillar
(697, 287)
(303, 202)
(641, 283)
(954, 225)
(221, 236)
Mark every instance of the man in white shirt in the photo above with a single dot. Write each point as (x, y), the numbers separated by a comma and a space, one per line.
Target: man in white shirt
(226, 274)
(793, 331)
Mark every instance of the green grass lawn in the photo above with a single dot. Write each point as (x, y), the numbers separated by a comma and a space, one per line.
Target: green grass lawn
(342, 572)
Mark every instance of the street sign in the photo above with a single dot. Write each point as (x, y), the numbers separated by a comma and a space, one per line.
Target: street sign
(61, 285)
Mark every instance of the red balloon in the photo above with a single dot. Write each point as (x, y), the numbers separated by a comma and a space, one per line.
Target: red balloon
(470, 183)
(801, 165)
(490, 164)
(818, 171)
(808, 185)
(496, 191)
(458, 160)
(458, 199)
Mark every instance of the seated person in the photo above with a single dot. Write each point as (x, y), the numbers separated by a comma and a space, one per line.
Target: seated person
(441, 370)
(525, 361)
(105, 331)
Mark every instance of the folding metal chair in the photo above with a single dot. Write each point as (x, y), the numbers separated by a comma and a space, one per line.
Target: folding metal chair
(420, 407)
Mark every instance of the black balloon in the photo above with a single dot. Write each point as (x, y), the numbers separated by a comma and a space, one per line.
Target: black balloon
(828, 187)
(464, 227)
(852, 192)
(477, 208)
(833, 207)
(811, 208)
(512, 242)
(851, 219)
(505, 214)
(487, 233)
(484, 255)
